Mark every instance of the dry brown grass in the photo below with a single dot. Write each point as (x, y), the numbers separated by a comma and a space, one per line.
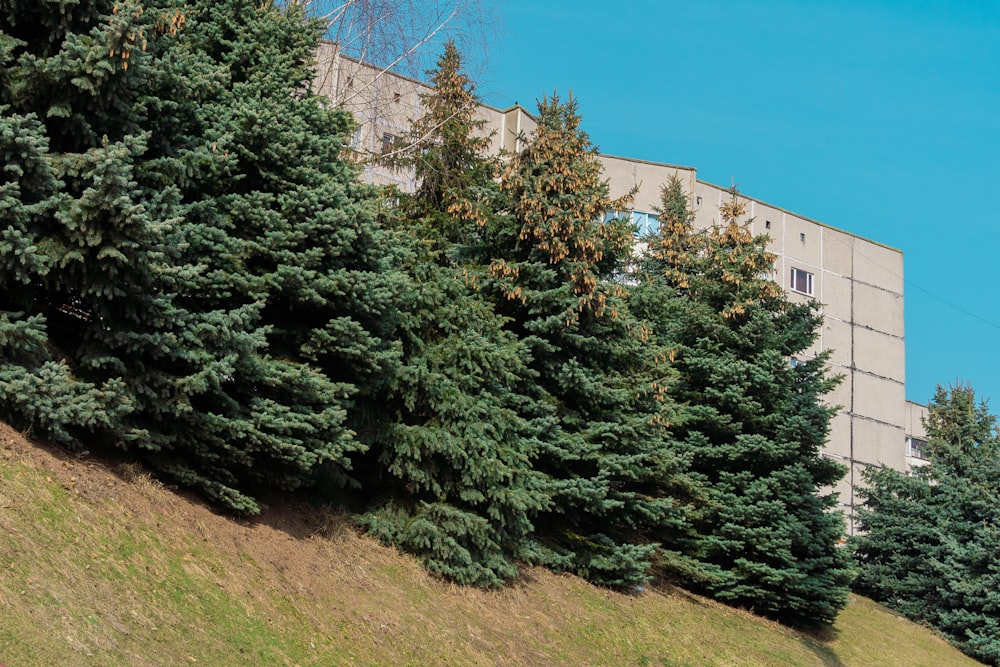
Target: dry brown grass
(103, 565)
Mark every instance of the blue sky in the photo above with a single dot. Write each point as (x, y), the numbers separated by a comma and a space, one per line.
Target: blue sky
(880, 118)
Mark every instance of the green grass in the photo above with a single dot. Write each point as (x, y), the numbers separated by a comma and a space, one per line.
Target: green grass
(106, 567)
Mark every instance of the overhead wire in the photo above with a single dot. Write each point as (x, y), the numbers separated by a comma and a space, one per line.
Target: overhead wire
(926, 291)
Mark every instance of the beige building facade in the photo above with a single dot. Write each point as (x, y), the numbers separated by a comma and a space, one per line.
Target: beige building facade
(859, 286)
(857, 281)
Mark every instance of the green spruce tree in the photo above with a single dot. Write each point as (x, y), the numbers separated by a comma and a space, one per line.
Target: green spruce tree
(76, 225)
(211, 255)
(764, 535)
(447, 148)
(39, 391)
(930, 543)
(554, 265)
(452, 461)
(278, 233)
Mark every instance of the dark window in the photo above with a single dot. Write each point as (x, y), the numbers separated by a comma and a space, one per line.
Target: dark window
(389, 141)
(802, 281)
(916, 448)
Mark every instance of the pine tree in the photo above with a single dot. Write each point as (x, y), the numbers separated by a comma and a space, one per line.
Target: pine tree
(764, 536)
(930, 543)
(553, 268)
(453, 458)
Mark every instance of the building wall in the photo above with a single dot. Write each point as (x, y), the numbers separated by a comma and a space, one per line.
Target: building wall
(858, 282)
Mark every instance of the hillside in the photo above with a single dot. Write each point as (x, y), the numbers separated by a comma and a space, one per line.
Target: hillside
(100, 565)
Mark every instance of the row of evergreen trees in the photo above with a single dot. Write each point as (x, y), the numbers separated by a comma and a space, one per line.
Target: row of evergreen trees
(192, 272)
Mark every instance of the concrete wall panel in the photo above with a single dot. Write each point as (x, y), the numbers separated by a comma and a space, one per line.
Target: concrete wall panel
(878, 265)
(878, 309)
(838, 249)
(843, 491)
(877, 444)
(839, 443)
(913, 423)
(835, 296)
(879, 398)
(877, 353)
(768, 220)
(803, 242)
(624, 174)
(706, 204)
(836, 336)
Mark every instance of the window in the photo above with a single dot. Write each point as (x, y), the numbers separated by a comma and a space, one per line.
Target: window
(767, 224)
(388, 142)
(916, 448)
(802, 281)
(645, 223)
(697, 200)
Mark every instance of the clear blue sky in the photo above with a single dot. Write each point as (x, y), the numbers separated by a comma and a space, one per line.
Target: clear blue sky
(880, 118)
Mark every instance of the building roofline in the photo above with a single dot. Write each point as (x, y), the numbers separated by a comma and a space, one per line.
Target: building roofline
(806, 218)
(512, 107)
(424, 84)
(749, 198)
(668, 165)
(516, 106)
(379, 68)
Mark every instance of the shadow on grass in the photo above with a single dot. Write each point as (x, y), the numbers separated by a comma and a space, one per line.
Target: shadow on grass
(817, 640)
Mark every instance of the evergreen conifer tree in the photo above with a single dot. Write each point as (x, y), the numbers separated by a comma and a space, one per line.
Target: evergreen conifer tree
(76, 225)
(223, 261)
(447, 148)
(278, 231)
(452, 461)
(38, 389)
(930, 543)
(554, 262)
(764, 536)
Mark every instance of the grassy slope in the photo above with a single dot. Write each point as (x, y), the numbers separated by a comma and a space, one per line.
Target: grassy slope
(105, 567)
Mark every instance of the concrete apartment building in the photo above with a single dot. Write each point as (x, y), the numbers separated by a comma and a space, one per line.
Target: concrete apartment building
(857, 281)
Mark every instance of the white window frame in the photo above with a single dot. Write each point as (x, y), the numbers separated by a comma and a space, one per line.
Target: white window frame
(809, 280)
